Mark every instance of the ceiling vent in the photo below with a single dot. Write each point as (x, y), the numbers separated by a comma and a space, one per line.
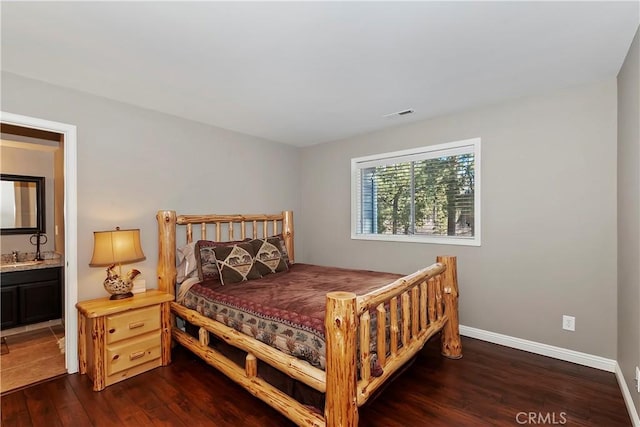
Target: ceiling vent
(400, 113)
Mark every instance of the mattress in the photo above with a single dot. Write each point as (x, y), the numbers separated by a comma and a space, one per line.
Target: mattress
(285, 310)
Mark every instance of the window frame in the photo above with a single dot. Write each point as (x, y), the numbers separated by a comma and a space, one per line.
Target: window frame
(472, 145)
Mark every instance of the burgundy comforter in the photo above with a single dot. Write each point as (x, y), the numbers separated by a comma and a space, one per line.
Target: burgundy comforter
(284, 310)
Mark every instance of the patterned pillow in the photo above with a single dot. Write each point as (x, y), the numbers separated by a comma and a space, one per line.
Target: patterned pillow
(283, 248)
(236, 263)
(268, 257)
(206, 258)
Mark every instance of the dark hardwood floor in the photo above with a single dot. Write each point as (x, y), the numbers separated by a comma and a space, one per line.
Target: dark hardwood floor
(490, 385)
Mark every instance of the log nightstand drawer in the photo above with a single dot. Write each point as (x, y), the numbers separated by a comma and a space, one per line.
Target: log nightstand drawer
(133, 323)
(118, 339)
(133, 352)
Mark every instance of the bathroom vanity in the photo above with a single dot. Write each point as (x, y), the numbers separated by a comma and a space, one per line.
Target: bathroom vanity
(31, 293)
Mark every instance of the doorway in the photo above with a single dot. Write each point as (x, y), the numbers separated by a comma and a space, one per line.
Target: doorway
(69, 210)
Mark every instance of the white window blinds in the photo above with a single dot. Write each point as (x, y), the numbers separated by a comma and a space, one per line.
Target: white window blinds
(429, 194)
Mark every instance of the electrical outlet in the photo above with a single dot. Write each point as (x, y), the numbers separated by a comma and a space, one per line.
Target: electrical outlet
(568, 323)
(637, 379)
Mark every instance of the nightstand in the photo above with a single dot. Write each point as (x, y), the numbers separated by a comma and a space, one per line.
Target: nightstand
(118, 339)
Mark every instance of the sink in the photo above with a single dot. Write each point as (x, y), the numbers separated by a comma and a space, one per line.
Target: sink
(20, 263)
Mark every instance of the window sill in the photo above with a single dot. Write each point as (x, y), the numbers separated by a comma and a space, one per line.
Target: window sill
(458, 241)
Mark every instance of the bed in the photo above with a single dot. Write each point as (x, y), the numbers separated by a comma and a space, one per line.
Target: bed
(363, 312)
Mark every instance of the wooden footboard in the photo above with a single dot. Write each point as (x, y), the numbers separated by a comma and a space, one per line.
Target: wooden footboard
(419, 305)
(407, 313)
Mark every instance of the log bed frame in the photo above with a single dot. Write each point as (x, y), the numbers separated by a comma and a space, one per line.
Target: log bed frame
(428, 304)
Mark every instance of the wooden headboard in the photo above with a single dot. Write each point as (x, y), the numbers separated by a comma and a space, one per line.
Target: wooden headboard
(224, 227)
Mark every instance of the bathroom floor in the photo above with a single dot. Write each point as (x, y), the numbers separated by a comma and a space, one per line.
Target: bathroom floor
(33, 356)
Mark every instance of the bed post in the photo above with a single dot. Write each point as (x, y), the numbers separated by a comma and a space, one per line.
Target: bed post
(167, 251)
(451, 345)
(341, 406)
(287, 234)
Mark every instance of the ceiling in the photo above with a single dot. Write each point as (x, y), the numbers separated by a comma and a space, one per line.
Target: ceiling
(303, 73)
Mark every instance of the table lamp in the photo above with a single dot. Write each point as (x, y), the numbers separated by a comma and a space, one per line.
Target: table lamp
(117, 247)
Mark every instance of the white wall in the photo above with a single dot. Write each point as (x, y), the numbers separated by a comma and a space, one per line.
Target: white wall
(133, 162)
(629, 217)
(548, 215)
(17, 161)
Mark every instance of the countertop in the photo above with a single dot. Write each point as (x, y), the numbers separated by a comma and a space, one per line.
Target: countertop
(47, 263)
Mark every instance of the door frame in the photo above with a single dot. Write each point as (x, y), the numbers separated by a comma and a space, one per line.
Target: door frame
(70, 225)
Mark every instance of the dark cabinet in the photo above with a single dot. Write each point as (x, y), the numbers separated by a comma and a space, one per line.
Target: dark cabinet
(31, 296)
(9, 300)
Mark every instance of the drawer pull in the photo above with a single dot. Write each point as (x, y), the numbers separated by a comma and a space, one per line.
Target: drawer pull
(116, 356)
(136, 355)
(112, 330)
(136, 325)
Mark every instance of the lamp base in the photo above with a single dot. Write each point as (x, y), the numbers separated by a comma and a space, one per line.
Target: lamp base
(117, 287)
(121, 296)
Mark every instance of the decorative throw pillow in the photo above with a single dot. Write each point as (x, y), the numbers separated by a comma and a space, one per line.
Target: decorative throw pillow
(187, 263)
(268, 257)
(283, 248)
(236, 263)
(206, 258)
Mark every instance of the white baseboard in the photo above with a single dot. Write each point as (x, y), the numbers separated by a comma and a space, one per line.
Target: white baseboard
(584, 359)
(628, 400)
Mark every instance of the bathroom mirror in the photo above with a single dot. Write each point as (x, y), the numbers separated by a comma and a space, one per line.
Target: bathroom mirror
(22, 207)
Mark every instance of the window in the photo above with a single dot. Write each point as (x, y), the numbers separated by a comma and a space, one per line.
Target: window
(429, 194)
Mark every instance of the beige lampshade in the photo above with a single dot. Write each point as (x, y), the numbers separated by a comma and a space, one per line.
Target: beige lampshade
(116, 247)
